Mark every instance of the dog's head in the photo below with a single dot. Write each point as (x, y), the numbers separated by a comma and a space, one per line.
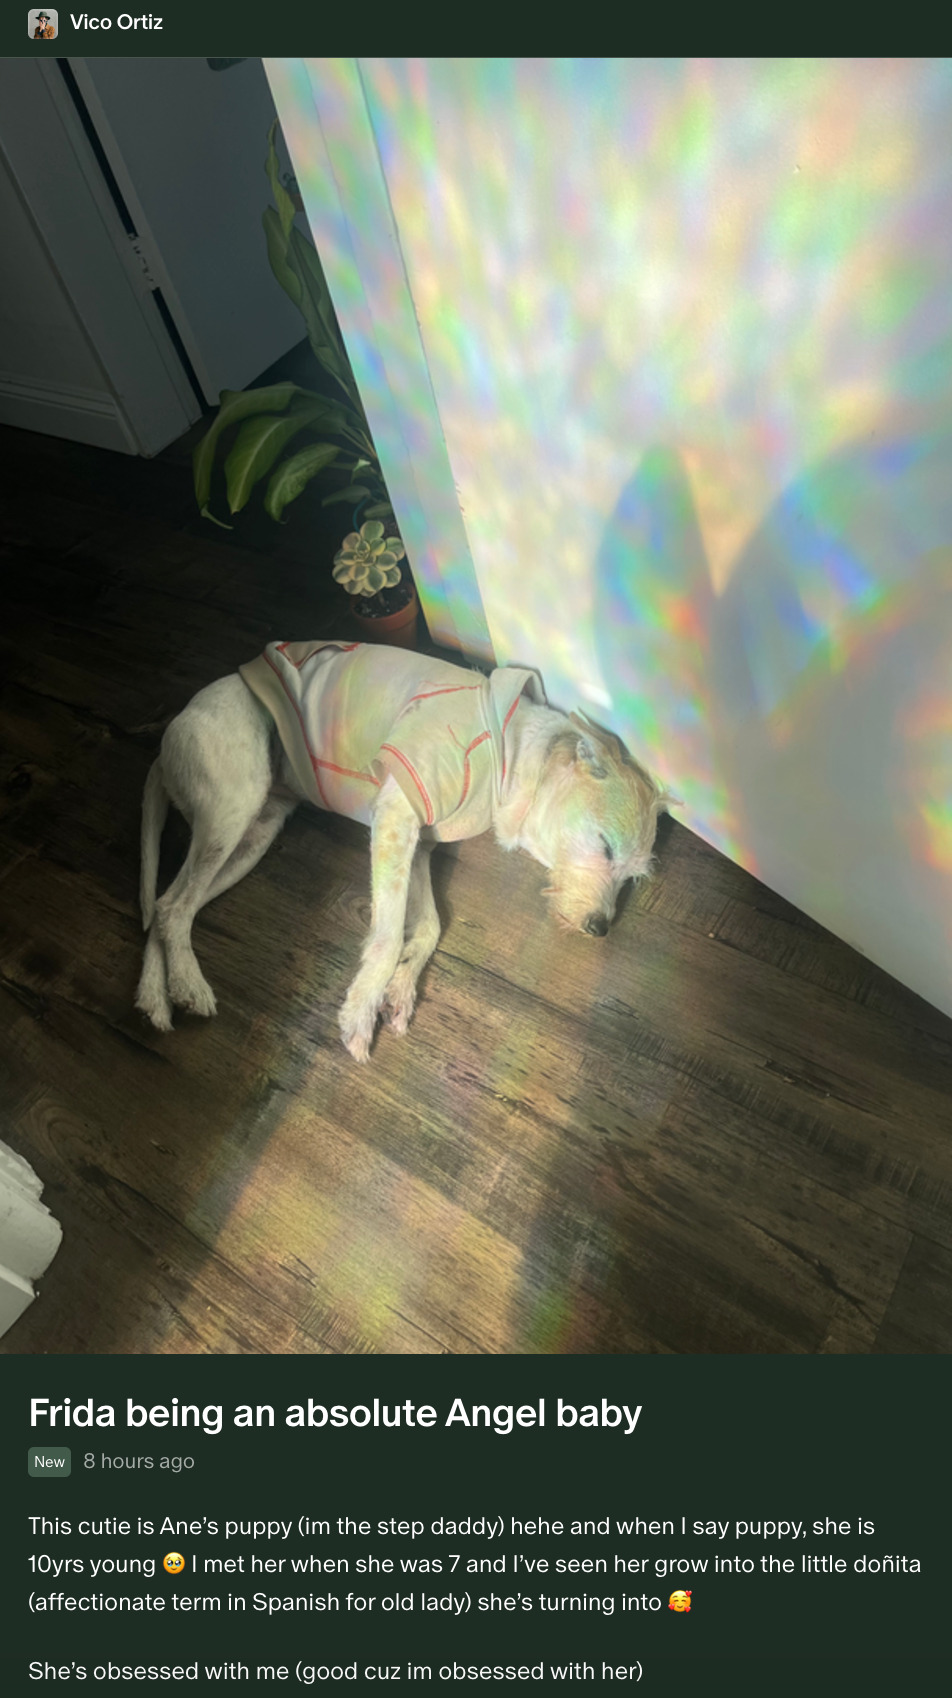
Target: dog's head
(593, 823)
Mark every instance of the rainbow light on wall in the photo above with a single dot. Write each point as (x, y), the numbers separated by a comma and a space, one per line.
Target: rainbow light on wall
(676, 344)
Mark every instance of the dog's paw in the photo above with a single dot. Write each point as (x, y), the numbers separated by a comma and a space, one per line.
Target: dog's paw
(356, 1038)
(157, 1010)
(194, 995)
(357, 1020)
(400, 1001)
(152, 997)
(399, 1019)
(203, 1002)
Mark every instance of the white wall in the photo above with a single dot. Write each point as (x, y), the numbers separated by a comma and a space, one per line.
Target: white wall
(686, 330)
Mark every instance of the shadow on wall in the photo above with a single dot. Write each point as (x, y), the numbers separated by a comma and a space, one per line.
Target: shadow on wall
(805, 714)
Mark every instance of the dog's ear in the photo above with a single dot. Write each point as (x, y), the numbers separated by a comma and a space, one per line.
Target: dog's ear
(591, 757)
(609, 747)
(594, 749)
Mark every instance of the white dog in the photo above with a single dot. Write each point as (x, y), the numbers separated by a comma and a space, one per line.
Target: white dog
(417, 749)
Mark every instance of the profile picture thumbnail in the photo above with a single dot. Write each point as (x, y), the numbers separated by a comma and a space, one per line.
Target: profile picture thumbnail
(42, 26)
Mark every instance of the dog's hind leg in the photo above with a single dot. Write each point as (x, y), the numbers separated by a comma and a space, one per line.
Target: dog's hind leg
(152, 996)
(394, 835)
(257, 839)
(155, 807)
(216, 767)
(214, 839)
(422, 937)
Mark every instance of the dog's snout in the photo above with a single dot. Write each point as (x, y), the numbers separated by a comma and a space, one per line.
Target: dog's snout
(596, 925)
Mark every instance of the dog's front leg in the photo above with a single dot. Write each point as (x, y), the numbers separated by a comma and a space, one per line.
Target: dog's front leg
(423, 935)
(393, 840)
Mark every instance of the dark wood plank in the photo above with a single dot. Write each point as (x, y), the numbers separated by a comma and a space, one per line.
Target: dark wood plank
(917, 1320)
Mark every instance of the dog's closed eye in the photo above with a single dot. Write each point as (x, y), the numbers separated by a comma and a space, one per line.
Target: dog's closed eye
(609, 855)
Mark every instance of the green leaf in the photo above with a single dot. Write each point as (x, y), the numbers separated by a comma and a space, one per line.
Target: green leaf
(282, 199)
(312, 298)
(277, 255)
(353, 492)
(293, 475)
(380, 510)
(372, 531)
(297, 267)
(375, 581)
(304, 258)
(206, 513)
(295, 264)
(236, 404)
(260, 441)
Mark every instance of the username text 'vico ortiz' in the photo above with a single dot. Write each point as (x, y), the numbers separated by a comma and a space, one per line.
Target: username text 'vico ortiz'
(125, 20)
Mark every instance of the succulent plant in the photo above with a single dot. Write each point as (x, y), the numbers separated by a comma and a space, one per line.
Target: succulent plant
(367, 561)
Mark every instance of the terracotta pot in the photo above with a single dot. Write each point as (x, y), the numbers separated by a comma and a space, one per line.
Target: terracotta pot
(398, 630)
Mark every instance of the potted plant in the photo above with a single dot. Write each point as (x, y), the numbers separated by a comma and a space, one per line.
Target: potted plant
(367, 566)
(288, 435)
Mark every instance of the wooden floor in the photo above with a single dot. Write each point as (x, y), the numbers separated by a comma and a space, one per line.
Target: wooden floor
(718, 1130)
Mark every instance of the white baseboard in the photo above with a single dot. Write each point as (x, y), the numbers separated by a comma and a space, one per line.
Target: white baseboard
(55, 409)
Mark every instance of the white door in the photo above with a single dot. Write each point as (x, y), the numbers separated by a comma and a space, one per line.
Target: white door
(83, 350)
(187, 145)
(135, 283)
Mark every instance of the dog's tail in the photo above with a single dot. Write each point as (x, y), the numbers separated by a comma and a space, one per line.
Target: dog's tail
(155, 807)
